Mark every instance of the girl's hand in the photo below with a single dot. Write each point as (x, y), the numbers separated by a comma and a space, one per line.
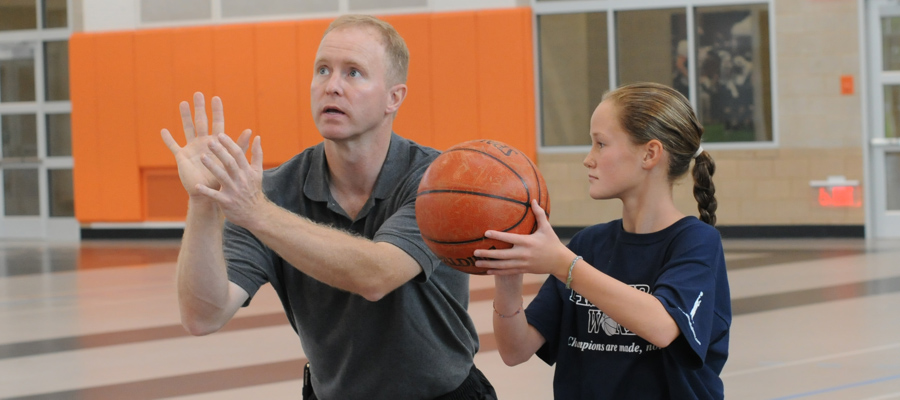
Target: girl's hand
(538, 253)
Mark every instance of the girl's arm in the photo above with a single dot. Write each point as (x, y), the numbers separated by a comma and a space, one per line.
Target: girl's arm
(517, 341)
(543, 253)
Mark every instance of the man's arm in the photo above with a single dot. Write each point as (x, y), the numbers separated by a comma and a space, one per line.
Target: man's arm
(339, 259)
(358, 265)
(206, 298)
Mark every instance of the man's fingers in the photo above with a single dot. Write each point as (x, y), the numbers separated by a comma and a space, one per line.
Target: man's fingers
(201, 126)
(237, 153)
(225, 158)
(186, 121)
(170, 141)
(218, 116)
(216, 169)
(244, 140)
(256, 157)
(208, 192)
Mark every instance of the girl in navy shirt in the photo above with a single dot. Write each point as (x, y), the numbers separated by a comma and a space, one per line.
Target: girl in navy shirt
(639, 307)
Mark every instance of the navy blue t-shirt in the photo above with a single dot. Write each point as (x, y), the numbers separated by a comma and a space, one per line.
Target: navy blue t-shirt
(684, 267)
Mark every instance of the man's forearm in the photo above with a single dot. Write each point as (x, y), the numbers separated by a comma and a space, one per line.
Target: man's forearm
(332, 256)
(202, 277)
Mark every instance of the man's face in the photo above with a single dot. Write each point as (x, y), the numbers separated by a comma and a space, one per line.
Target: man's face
(349, 92)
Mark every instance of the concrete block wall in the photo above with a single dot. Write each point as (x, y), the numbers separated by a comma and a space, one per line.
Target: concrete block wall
(819, 133)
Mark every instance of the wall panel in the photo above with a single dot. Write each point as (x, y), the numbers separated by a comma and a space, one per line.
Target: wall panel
(116, 147)
(155, 102)
(192, 61)
(455, 84)
(309, 34)
(277, 96)
(505, 91)
(470, 77)
(83, 89)
(414, 120)
(234, 76)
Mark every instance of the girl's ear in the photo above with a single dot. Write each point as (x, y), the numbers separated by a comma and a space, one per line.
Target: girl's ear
(653, 153)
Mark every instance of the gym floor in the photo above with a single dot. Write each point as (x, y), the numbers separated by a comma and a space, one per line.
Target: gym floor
(813, 319)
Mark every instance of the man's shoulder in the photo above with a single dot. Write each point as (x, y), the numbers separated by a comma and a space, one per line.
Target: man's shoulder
(298, 163)
(417, 151)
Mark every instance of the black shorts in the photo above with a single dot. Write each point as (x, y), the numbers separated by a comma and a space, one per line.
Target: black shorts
(475, 387)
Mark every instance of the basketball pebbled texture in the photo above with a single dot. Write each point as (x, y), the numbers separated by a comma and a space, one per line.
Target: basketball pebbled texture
(473, 187)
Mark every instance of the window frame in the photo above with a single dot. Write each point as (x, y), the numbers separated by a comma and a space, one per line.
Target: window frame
(40, 107)
(550, 7)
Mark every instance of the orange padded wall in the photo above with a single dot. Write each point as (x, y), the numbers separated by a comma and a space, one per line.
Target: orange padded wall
(471, 76)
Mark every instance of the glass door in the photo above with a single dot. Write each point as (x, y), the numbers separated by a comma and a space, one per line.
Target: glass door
(883, 139)
(36, 190)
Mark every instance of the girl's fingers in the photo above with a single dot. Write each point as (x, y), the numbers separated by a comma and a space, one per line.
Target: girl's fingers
(511, 238)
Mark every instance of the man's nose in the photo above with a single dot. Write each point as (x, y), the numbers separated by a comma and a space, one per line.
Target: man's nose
(334, 85)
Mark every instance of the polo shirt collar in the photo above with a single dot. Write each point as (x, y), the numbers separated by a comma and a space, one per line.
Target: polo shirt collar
(316, 187)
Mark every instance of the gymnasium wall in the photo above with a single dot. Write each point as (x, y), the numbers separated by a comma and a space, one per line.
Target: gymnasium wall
(471, 77)
(819, 133)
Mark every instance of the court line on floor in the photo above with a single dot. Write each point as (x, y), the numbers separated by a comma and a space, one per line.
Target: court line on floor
(187, 384)
(805, 297)
(204, 382)
(811, 360)
(72, 343)
(740, 306)
(839, 388)
(885, 396)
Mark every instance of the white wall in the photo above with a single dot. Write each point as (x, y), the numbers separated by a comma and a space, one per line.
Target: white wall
(109, 15)
(113, 15)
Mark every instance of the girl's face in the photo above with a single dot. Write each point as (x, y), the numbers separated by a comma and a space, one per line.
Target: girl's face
(614, 163)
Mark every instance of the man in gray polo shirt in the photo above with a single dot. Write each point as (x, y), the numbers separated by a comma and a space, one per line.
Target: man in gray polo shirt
(334, 231)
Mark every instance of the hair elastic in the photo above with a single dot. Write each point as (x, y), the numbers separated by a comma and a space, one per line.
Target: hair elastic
(697, 153)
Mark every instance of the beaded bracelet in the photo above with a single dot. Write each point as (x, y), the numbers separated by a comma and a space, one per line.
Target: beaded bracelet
(571, 266)
(508, 316)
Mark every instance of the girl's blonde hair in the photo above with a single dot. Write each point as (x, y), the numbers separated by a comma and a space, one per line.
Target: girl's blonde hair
(651, 111)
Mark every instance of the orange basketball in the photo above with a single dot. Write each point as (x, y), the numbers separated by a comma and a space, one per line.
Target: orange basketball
(473, 187)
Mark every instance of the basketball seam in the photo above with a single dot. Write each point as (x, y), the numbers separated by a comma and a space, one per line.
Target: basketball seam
(516, 173)
(511, 200)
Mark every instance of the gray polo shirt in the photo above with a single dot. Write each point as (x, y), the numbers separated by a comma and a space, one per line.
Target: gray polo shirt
(417, 342)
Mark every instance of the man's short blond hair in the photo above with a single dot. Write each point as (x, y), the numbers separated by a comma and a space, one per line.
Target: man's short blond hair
(394, 46)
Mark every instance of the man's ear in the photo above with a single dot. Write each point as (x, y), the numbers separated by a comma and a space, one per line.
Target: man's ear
(396, 95)
(653, 153)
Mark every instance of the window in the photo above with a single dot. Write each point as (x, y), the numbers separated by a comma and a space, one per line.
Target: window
(733, 73)
(575, 73)
(584, 54)
(35, 113)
